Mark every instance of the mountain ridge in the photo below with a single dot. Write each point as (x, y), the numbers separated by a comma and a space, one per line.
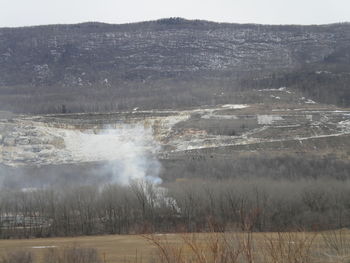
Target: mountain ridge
(179, 20)
(135, 65)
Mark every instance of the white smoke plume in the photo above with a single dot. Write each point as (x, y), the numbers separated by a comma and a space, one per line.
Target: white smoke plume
(128, 150)
(130, 154)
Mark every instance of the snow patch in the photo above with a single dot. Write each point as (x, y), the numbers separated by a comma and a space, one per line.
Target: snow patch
(279, 89)
(322, 72)
(219, 117)
(275, 97)
(345, 126)
(268, 119)
(308, 101)
(235, 106)
(40, 247)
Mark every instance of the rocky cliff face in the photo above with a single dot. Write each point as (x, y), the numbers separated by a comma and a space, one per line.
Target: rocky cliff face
(113, 61)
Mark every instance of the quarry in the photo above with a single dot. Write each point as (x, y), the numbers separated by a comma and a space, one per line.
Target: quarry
(93, 137)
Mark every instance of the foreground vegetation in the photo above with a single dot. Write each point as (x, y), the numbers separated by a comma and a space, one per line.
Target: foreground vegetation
(246, 247)
(65, 255)
(228, 247)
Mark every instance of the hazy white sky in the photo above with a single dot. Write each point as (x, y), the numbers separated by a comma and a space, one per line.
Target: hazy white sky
(38, 12)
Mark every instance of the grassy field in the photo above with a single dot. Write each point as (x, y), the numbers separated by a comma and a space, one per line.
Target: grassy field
(333, 246)
(114, 248)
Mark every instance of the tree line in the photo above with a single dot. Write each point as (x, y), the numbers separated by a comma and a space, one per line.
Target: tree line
(191, 205)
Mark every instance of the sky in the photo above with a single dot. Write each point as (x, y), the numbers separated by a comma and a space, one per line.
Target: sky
(15, 13)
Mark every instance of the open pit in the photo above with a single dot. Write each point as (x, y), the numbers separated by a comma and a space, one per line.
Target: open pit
(45, 143)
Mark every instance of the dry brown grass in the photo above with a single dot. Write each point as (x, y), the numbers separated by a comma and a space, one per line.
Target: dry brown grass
(55, 255)
(17, 256)
(336, 246)
(243, 247)
(289, 247)
(248, 247)
(112, 248)
(72, 255)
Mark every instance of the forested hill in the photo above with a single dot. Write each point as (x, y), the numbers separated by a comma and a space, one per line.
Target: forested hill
(167, 63)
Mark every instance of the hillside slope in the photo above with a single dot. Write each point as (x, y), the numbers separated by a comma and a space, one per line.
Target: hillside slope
(167, 63)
